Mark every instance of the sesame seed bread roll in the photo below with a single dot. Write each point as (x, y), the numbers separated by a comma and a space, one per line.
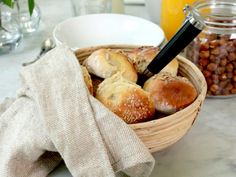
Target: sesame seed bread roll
(141, 57)
(126, 99)
(170, 93)
(104, 63)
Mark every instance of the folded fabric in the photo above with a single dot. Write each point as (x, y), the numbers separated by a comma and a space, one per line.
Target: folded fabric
(54, 117)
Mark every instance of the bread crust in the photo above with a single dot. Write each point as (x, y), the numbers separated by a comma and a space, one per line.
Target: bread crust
(172, 67)
(142, 57)
(105, 62)
(126, 99)
(170, 93)
(87, 79)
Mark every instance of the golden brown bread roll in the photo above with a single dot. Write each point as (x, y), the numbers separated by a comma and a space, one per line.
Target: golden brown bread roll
(172, 67)
(104, 63)
(87, 79)
(141, 57)
(126, 99)
(170, 93)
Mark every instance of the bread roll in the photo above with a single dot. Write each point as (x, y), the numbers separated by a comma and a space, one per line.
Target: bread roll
(104, 63)
(141, 57)
(126, 99)
(87, 79)
(172, 67)
(170, 93)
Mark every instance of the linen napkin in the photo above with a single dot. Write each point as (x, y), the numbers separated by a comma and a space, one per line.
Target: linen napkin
(54, 117)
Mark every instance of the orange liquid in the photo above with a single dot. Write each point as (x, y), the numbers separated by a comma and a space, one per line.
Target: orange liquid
(172, 15)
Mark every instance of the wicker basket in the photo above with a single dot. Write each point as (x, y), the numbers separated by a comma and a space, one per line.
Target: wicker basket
(161, 133)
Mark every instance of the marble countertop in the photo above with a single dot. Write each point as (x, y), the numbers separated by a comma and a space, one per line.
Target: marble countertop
(207, 150)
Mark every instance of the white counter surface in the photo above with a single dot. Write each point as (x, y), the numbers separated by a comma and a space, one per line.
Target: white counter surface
(208, 149)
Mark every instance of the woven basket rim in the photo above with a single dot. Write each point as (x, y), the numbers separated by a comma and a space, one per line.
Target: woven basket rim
(169, 118)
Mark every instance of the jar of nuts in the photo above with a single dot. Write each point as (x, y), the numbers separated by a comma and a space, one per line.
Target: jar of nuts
(214, 49)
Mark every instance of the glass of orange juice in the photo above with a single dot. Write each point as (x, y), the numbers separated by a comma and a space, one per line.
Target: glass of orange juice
(172, 15)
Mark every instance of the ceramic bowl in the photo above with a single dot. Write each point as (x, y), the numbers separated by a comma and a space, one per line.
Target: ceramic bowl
(102, 29)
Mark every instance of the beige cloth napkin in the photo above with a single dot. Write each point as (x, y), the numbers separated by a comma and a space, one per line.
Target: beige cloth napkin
(54, 118)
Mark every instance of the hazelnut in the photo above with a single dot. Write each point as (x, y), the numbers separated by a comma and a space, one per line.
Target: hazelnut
(200, 67)
(214, 88)
(224, 36)
(204, 46)
(204, 54)
(229, 75)
(211, 67)
(233, 91)
(223, 83)
(215, 78)
(225, 92)
(223, 53)
(223, 62)
(209, 81)
(234, 42)
(206, 73)
(229, 67)
(229, 86)
(223, 77)
(220, 70)
(234, 64)
(211, 37)
(212, 58)
(213, 44)
(230, 46)
(232, 56)
(209, 92)
(234, 78)
(223, 41)
(215, 51)
(203, 62)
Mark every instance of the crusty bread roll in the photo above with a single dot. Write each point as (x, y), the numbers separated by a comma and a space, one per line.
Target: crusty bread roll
(104, 63)
(126, 99)
(170, 93)
(141, 57)
(87, 79)
(172, 67)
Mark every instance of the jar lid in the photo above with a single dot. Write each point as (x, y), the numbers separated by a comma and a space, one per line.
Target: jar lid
(218, 15)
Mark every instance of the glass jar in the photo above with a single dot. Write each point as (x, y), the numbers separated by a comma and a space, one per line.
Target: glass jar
(83, 7)
(214, 49)
(28, 23)
(10, 35)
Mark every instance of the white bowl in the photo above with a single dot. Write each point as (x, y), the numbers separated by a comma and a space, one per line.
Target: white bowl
(104, 29)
